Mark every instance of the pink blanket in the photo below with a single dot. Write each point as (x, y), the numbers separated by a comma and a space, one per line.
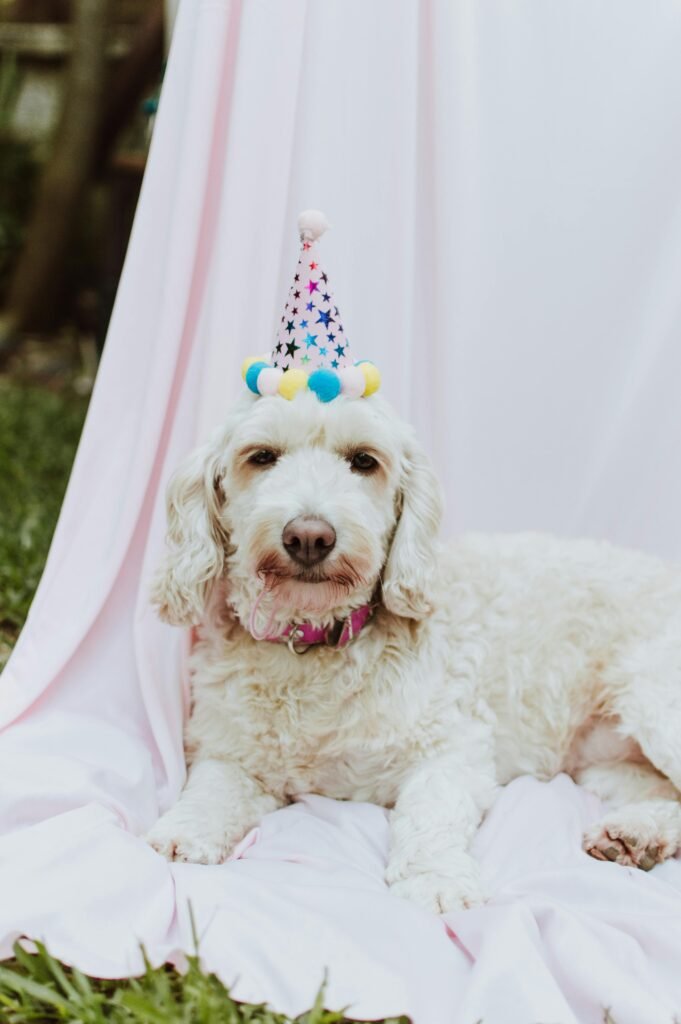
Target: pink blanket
(563, 938)
(93, 699)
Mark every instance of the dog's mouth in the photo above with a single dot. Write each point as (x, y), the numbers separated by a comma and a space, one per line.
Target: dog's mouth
(341, 574)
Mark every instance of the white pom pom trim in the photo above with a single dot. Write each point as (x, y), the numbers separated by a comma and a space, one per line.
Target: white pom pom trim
(268, 380)
(312, 224)
(353, 381)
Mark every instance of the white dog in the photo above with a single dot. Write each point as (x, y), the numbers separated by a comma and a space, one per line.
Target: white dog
(490, 658)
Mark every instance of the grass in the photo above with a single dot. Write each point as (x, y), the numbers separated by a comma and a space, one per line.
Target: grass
(36, 987)
(39, 431)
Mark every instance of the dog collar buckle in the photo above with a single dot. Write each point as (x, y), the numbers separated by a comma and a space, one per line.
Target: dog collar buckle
(295, 641)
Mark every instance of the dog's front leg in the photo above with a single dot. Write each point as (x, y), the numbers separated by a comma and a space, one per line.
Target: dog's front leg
(438, 809)
(217, 807)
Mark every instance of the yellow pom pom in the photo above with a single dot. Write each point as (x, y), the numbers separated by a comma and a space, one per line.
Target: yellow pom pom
(292, 382)
(247, 363)
(371, 376)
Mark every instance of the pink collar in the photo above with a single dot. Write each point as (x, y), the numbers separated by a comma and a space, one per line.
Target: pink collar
(299, 636)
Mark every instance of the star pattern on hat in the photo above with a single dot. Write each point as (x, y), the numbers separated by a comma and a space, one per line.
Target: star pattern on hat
(324, 317)
(310, 354)
(297, 345)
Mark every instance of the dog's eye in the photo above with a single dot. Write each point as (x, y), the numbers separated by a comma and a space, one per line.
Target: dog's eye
(263, 457)
(363, 462)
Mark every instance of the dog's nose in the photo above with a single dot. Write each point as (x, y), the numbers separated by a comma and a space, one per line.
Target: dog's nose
(308, 540)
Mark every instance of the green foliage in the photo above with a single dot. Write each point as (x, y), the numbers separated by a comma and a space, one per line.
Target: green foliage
(36, 987)
(39, 431)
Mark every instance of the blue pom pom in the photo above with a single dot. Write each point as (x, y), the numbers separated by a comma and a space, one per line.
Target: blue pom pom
(252, 375)
(325, 383)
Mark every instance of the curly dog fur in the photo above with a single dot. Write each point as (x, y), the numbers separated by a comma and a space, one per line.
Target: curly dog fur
(485, 659)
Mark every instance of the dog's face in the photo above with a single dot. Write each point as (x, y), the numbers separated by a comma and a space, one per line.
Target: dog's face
(309, 508)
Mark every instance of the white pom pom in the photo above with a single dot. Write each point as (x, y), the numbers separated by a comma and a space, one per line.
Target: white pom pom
(352, 380)
(268, 380)
(312, 224)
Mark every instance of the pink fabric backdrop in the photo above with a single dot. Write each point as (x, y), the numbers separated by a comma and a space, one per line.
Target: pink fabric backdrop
(504, 186)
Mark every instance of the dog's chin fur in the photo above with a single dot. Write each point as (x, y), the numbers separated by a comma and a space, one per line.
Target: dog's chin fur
(324, 592)
(319, 599)
(287, 596)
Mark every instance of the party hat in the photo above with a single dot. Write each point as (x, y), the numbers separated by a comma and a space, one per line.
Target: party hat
(311, 349)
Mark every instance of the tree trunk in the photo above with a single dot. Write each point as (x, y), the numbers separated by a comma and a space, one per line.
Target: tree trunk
(36, 284)
(138, 71)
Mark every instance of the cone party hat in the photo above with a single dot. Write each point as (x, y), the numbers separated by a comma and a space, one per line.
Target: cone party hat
(311, 350)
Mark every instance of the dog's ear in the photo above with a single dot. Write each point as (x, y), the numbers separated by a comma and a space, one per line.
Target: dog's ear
(411, 564)
(195, 540)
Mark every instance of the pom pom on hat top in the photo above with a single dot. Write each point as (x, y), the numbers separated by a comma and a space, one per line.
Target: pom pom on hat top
(311, 350)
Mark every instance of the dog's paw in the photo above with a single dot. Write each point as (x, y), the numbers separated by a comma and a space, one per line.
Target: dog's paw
(176, 840)
(632, 836)
(456, 888)
(439, 893)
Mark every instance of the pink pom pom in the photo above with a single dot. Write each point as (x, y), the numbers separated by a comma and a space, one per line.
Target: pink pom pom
(352, 381)
(268, 380)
